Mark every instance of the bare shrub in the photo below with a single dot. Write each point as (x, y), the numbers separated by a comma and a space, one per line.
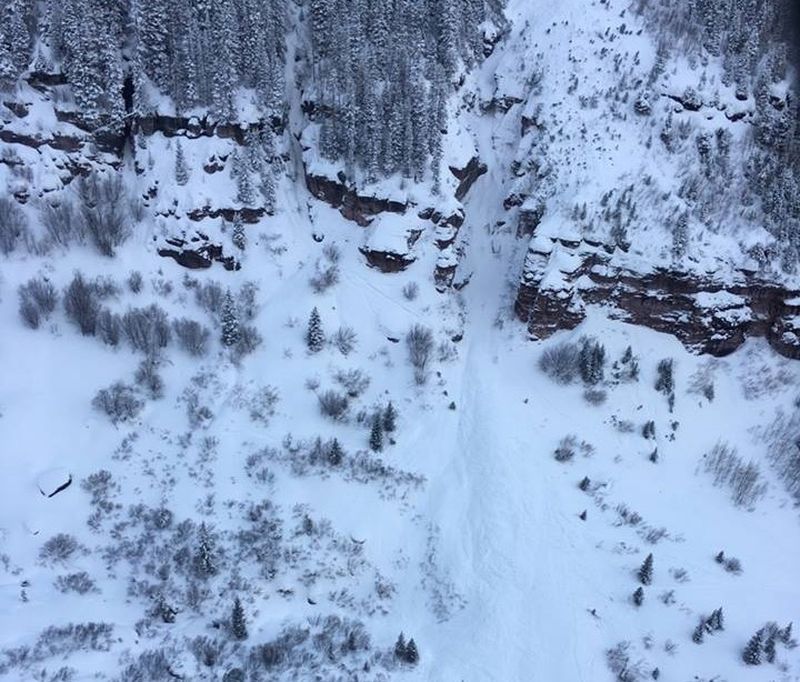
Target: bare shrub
(324, 278)
(118, 401)
(59, 548)
(13, 225)
(566, 449)
(109, 327)
(332, 253)
(333, 404)
(419, 341)
(783, 453)
(192, 336)
(80, 583)
(595, 396)
(105, 211)
(411, 291)
(147, 329)
(210, 296)
(262, 404)
(149, 379)
(62, 223)
(249, 340)
(248, 302)
(81, 304)
(135, 281)
(37, 299)
(353, 381)
(620, 664)
(729, 470)
(344, 339)
(561, 362)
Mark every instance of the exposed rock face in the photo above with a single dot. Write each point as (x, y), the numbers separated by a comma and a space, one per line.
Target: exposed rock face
(197, 254)
(346, 198)
(707, 315)
(468, 175)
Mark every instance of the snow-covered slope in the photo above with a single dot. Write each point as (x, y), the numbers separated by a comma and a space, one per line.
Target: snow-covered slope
(503, 522)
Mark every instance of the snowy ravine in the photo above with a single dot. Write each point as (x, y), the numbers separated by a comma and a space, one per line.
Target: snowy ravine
(502, 511)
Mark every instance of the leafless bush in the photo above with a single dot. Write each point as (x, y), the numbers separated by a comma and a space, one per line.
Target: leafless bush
(63, 224)
(106, 287)
(619, 662)
(81, 304)
(262, 404)
(411, 291)
(118, 401)
(332, 252)
(333, 404)
(248, 303)
(109, 327)
(59, 549)
(249, 340)
(149, 379)
(353, 381)
(324, 278)
(105, 211)
(419, 341)
(561, 362)
(566, 449)
(13, 225)
(146, 329)
(80, 583)
(193, 337)
(210, 297)
(783, 454)
(37, 299)
(344, 339)
(728, 469)
(595, 396)
(135, 281)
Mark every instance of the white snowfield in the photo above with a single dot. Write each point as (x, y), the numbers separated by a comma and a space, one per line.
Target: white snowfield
(482, 546)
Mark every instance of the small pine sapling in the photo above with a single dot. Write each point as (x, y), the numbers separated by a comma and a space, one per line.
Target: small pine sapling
(315, 337)
(645, 573)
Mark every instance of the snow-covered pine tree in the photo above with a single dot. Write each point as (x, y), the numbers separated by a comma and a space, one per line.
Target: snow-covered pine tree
(400, 647)
(638, 596)
(238, 236)
(376, 434)
(231, 331)
(752, 652)
(238, 620)
(645, 573)
(315, 336)
(335, 454)
(181, 169)
(412, 654)
(390, 418)
(204, 561)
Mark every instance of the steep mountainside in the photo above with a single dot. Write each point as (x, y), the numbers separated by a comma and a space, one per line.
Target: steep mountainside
(359, 340)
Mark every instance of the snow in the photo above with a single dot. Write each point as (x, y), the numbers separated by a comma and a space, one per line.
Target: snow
(496, 576)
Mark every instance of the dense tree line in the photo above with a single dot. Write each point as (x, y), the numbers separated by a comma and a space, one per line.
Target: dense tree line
(379, 71)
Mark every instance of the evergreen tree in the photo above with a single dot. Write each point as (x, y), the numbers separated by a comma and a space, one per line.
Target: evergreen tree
(238, 620)
(389, 418)
(315, 336)
(717, 620)
(400, 648)
(412, 655)
(376, 434)
(646, 571)
(204, 562)
(238, 236)
(231, 331)
(638, 596)
(181, 170)
(699, 633)
(335, 454)
(752, 652)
